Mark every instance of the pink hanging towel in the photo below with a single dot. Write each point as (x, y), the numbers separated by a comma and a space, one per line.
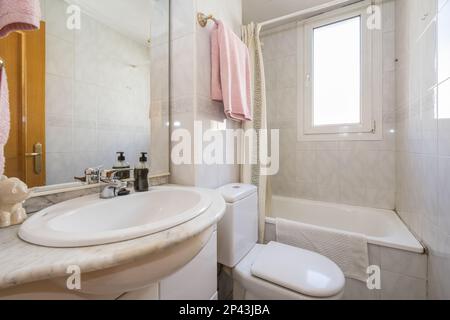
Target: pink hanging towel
(16, 15)
(4, 117)
(230, 73)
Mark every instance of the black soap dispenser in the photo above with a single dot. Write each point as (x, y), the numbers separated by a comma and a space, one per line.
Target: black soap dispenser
(141, 174)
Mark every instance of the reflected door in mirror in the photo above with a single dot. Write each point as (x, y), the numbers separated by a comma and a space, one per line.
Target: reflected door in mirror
(24, 57)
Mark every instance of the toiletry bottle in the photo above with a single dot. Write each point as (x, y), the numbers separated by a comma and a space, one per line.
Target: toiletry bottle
(141, 174)
(122, 164)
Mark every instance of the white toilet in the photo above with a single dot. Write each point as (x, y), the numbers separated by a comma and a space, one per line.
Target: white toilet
(274, 271)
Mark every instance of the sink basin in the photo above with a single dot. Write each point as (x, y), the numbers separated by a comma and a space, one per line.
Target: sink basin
(92, 221)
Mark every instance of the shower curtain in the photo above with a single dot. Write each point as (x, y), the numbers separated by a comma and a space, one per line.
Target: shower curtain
(251, 174)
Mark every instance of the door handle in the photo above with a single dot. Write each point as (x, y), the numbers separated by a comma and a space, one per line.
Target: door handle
(37, 155)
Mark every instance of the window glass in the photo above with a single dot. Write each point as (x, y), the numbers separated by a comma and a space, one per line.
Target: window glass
(337, 73)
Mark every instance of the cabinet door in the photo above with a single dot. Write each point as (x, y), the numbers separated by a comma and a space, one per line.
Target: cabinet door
(24, 57)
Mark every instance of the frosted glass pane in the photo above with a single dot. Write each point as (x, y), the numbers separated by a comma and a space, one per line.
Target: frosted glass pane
(337, 73)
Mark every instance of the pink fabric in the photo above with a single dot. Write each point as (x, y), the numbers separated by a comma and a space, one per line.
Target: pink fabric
(216, 85)
(4, 117)
(230, 75)
(16, 15)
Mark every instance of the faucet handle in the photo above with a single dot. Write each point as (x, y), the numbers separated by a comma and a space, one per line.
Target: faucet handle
(95, 170)
(92, 175)
(81, 179)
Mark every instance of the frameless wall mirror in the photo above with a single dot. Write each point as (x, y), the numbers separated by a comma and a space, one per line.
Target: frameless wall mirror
(88, 84)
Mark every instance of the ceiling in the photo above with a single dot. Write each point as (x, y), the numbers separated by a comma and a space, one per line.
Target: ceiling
(131, 18)
(262, 10)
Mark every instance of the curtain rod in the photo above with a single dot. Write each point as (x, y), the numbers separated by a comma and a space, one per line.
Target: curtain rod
(305, 12)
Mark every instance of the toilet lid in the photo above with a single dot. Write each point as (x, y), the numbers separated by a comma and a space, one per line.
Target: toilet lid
(299, 270)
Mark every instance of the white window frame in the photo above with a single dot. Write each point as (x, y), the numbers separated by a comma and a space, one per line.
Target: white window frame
(370, 127)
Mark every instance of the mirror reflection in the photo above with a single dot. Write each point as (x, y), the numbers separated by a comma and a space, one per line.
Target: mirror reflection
(81, 90)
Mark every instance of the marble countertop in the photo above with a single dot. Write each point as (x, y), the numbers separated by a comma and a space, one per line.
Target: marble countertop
(21, 262)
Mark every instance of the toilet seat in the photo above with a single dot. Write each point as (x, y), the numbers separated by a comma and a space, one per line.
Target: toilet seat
(264, 274)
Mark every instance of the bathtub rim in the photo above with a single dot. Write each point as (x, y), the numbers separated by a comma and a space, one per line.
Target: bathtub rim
(412, 244)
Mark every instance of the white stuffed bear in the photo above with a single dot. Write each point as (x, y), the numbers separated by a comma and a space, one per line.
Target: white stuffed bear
(13, 193)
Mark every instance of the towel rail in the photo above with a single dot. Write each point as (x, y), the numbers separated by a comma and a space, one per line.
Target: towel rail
(203, 19)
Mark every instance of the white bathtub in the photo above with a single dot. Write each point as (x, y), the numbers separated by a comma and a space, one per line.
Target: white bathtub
(381, 227)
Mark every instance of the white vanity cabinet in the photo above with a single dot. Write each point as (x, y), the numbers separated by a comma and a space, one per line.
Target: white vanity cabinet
(172, 264)
(195, 281)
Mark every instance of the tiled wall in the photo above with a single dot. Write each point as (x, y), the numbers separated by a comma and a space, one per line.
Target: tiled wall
(97, 103)
(403, 276)
(190, 87)
(423, 124)
(329, 171)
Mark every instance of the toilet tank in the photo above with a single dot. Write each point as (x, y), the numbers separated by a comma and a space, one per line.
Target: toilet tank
(238, 230)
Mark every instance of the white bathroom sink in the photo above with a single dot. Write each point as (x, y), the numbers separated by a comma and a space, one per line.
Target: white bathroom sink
(92, 221)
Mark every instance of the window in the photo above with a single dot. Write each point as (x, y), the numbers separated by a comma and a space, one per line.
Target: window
(337, 86)
(340, 79)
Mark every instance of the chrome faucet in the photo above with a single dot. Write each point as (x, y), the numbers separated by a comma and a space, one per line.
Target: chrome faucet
(113, 186)
(91, 176)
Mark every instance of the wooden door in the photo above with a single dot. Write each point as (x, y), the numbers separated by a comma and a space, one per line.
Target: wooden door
(24, 57)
